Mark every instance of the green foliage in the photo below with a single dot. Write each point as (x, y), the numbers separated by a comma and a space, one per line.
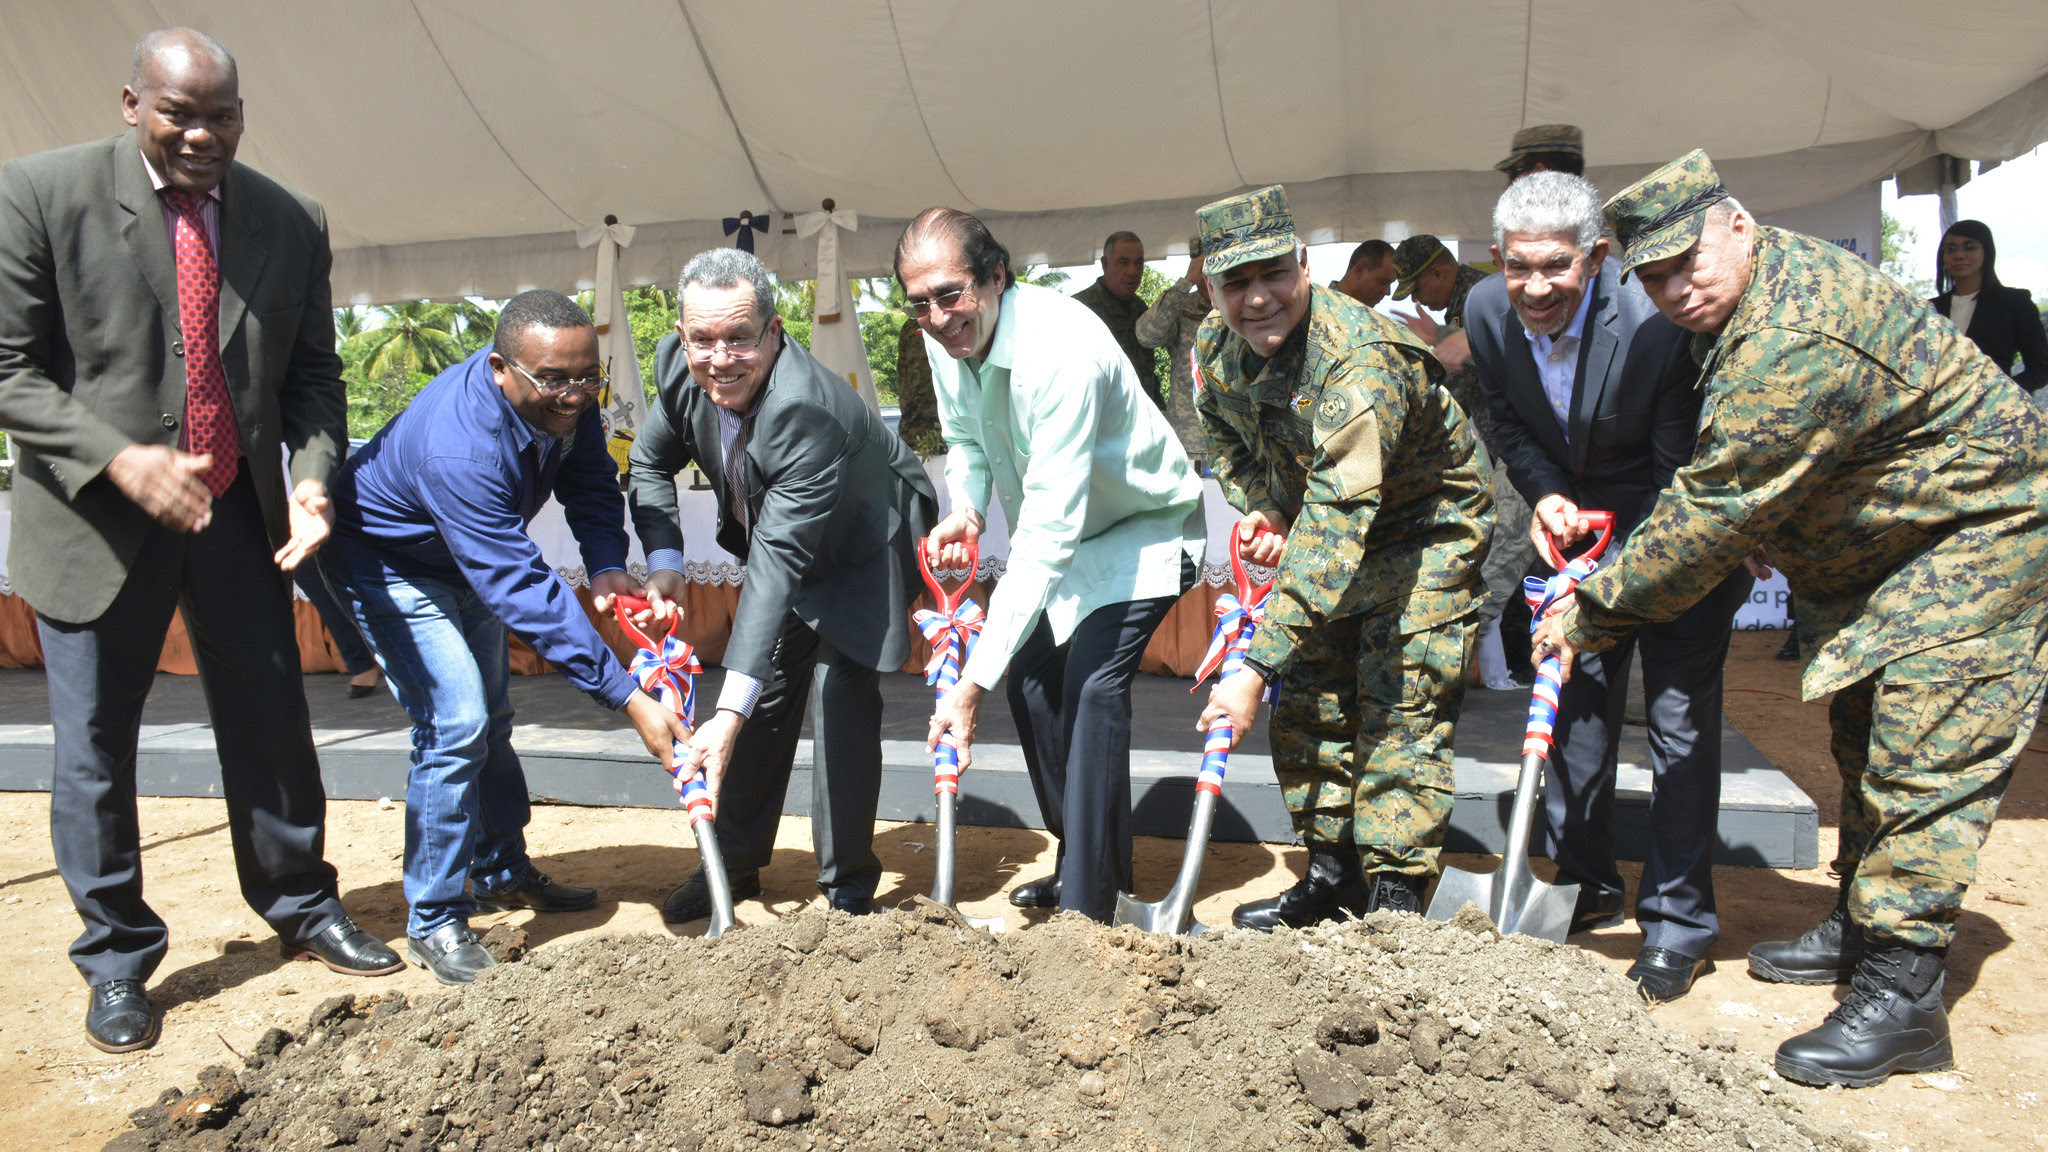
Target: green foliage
(373, 399)
(881, 332)
(1894, 236)
(415, 337)
(1149, 289)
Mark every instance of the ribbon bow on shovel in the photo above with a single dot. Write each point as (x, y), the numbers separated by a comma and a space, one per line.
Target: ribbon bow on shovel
(1512, 897)
(1237, 620)
(667, 670)
(951, 630)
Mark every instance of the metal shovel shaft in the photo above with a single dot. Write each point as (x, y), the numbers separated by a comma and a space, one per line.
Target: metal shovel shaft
(1175, 913)
(712, 862)
(942, 881)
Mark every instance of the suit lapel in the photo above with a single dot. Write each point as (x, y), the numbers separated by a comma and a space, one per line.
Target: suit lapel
(148, 241)
(1595, 357)
(241, 261)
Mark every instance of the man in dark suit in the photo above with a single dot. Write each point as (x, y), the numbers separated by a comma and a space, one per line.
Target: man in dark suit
(165, 337)
(826, 508)
(1595, 405)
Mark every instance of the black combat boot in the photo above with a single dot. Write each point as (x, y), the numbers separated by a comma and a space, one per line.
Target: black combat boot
(1396, 892)
(1333, 888)
(1891, 1021)
(1825, 954)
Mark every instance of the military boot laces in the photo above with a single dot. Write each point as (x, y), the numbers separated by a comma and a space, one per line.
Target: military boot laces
(1333, 889)
(1891, 1021)
(1826, 953)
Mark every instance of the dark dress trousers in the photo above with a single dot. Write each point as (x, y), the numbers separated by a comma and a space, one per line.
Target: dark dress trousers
(2006, 325)
(91, 362)
(1634, 417)
(835, 508)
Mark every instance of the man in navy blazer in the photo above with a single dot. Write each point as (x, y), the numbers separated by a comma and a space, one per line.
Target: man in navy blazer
(826, 506)
(1595, 404)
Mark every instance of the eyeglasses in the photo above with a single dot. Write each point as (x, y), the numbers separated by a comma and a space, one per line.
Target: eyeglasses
(944, 301)
(738, 348)
(558, 385)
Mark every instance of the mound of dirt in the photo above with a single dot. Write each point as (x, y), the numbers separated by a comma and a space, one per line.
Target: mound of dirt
(912, 1031)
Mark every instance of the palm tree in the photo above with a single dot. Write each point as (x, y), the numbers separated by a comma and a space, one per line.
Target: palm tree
(415, 337)
(479, 323)
(348, 323)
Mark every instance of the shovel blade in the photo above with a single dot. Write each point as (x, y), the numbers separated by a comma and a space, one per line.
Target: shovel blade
(1534, 908)
(1169, 916)
(712, 861)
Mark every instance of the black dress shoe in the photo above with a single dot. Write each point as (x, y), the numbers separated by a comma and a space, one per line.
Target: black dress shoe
(1396, 892)
(118, 1017)
(1043, 892)
(346, 948)
(1790, 649)
(692, 901)
(1662, 975)
(1334, 888)
(1826, 953)
(538, 891)
(1600, 910)
(451, 952)
(1891, 1021)
(854, 903)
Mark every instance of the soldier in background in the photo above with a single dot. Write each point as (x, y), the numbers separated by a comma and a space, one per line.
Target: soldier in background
(1171, 323)
(1545, 148)
(1114, 297)
(1328, 423)
(1901, 481)
(1370, 273)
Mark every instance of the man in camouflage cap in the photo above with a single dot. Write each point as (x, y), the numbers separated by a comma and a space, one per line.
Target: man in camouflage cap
(1901, 481)
(1545, 148)
(1327, 421)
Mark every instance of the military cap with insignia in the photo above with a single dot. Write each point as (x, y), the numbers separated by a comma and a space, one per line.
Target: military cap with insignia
(1246, 227)
(1544, 138)
(1413, 258)
(1662, 214)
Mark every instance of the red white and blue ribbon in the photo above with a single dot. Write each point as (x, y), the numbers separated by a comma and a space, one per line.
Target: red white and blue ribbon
(1541, 594)
(952, 635)
(669, 675)
(1236, 623)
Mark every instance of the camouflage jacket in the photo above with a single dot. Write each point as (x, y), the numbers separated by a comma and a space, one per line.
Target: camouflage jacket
(1171, 323)
(1347, 433)
(1122, 318)
(1890, 469)
(1464, 383)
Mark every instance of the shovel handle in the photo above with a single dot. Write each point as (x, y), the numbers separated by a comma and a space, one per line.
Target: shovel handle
(924, 567)
(1598, 522)
(1247, 594)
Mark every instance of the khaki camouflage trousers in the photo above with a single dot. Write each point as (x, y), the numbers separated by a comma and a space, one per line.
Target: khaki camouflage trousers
(1923, 766)
(1362, 737)
(1509, 555)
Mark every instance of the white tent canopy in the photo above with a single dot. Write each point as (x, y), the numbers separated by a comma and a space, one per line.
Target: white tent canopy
(459, 145)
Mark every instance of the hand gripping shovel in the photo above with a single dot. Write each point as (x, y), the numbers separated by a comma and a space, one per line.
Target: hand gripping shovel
(1511, 896)
(951, 631)
(1237, 617)
(667, 671)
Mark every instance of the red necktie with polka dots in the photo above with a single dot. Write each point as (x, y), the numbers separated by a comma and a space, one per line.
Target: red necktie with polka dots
(209, 415)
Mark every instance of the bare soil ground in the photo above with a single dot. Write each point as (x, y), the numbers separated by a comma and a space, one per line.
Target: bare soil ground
(223, 988)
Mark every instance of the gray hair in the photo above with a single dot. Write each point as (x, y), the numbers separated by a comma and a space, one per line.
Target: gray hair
(728, 268)
(1116, 238)
(1544, 202)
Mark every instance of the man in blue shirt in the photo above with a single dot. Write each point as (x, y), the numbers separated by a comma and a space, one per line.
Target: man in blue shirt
(430, 550)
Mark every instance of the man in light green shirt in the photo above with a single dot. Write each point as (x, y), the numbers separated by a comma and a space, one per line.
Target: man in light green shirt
(1043, 410)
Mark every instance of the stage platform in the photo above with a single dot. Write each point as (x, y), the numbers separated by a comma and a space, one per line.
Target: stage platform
(576, 752)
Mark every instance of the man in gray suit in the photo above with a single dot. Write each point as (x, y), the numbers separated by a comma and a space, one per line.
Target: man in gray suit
(165, 337)
(1595, 404)
(826, 507)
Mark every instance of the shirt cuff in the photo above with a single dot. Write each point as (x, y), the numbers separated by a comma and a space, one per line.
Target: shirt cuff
(665, 560)
(739, 693)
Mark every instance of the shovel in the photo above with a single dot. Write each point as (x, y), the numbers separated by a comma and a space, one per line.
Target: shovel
(1516, 901)
(666, 670)
(951, 630)
(1237, 618)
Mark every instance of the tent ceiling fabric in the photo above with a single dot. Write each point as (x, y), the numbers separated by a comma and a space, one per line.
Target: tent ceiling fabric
(459, 144)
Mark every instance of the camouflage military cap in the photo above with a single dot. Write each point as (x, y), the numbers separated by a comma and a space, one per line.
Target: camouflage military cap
(1414, 257)
(1244, 228)
(1662, 214)
(1544, 138)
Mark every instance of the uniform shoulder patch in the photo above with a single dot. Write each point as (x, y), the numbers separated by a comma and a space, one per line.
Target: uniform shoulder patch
(1335, 409)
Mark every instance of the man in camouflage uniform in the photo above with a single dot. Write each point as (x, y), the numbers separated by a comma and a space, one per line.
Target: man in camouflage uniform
(1900, 480)
(1328, 420)
(1428, 273)
(1171, 324)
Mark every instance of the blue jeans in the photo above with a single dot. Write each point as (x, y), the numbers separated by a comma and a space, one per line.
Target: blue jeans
(444, 655)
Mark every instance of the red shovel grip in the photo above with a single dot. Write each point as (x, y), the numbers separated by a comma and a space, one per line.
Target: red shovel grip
(1599, 522)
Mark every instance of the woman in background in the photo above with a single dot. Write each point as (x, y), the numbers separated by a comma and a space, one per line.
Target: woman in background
(2003, 321)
